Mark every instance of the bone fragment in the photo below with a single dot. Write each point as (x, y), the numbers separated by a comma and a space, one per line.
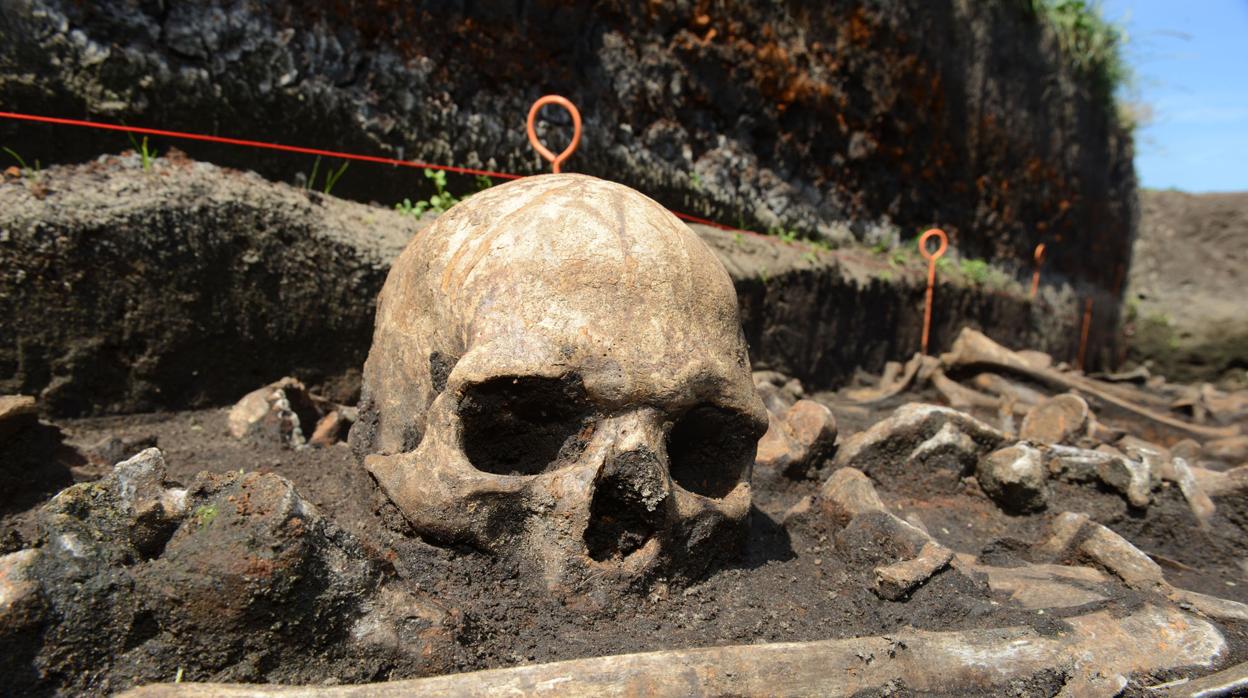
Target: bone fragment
(1076, 535)
(896, 581)
(916, 429)
(1061, 419)
(1006, 388)
(1015, 478)
(1232, 450)
(959, 395)
(848, 493)
(1038, 586)
(889, 388)
(1198, 500)
(1228, 682)
(973, 348)
(925, 662)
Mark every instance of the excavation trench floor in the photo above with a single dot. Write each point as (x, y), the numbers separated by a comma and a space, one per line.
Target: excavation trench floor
(790, 585)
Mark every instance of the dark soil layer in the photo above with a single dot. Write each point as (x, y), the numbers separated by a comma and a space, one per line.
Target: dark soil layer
(825, 117)
(122, 286)
(789, 585)
(1185, 298)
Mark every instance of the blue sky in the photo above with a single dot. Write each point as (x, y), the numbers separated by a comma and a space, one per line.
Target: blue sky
(1190, 59)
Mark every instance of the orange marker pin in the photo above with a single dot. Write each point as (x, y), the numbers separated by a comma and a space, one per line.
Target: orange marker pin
(931, 258)
(555, 160)
(1035, 275)
(1083, 334)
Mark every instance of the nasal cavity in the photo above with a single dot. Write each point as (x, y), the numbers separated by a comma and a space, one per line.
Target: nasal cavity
(628, 505)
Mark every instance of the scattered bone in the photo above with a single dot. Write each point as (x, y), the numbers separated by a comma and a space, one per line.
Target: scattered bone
(16, 412)
(848, 493)
(974, 349)
(1040, 586)
(1207, 403)
(1075, 535)
(1008, 389)
(924, 662)
(1157, 458)
(798, 443)
(333, 427)
(871, 533)
(1015, 478)
(1228, 682)
(1061, 419)
(1127, 562)
(1036, 359)
(1198, 499)
(891, 384)
(1233, 482)
(284, 412)
(1230, 450)
(21, 605)
(1138, 375)
(919, 435)
(1130, 478)
(896, 581)
(779, 392)
(960, 396)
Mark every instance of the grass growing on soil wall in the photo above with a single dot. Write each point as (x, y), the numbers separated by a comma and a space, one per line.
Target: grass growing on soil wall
(1091, 44)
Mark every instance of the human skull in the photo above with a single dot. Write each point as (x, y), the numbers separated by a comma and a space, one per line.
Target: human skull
(558, 370)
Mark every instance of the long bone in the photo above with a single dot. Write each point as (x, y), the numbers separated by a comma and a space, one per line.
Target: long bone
(973, 348)
(924, 661)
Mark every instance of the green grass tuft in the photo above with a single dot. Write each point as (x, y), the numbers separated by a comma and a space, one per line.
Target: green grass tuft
(1090, 44)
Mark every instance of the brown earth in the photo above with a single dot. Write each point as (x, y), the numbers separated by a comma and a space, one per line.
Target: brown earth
(1186, 291)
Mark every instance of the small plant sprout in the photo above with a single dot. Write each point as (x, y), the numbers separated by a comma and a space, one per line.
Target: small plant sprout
(695, 180)
(316, 167)
(484, 182)
(21, 163)
(810, 257)
(440, 201)
(331, 176)
(146, 153)
(738, 239)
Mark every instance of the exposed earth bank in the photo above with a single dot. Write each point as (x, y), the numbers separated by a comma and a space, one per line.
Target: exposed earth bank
(845, 119)
(1188, 286)
(123, 288)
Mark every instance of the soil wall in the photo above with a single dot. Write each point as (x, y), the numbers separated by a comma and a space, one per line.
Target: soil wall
(125, 289)
(866, 119)
(1185, 296)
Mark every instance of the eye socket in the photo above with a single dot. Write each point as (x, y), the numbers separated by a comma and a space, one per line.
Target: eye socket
(524, 425)
(710, 449)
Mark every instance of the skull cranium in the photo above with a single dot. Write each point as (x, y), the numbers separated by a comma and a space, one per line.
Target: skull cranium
(558, 370)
